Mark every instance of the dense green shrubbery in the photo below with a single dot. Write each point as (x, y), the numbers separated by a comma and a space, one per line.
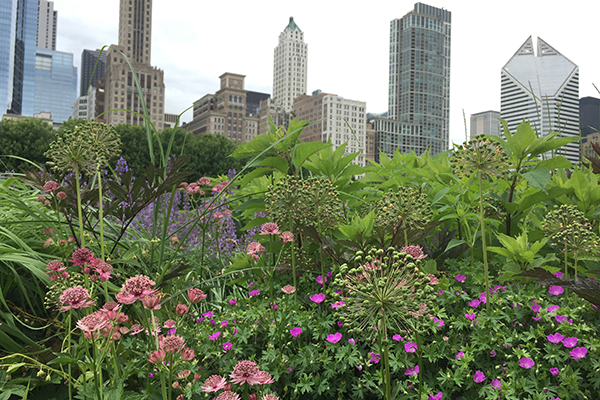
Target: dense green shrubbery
(335, 281)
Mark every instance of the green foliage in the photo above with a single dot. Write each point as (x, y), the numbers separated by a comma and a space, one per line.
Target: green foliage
(28, 139)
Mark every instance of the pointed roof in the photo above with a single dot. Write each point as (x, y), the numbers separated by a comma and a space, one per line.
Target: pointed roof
(292, 25)
(545, 72)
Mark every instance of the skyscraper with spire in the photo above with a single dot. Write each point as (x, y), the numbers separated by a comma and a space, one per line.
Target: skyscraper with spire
(120, 90)
(542, 89)
(289, 66)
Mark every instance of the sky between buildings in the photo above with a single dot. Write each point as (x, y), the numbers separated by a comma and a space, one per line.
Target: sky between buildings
(348, 45)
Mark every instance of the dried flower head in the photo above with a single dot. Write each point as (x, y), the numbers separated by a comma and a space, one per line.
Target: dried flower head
(479, 154)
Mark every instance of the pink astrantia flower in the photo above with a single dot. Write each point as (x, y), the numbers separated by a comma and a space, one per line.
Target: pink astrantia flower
(496, 384)
(227, 346)
(135, 288)
(415, 251)
(554, 371)
(474, 303)
(169, 324)
(334, 338)
(82, 256)
(244, 372)
(412, 371)
(171, 344)
(318, 298)
(555, 338)
(375, 357)
(570, 342)
(75, 297)
(187, 354)
(296, 331)
(526, 362)
(227, 395)
(460, 278)
(410, 347)
(288, 289)
(478, 377)
(269, 396)
(578, 352)
(214, 336)
(287, 237)
(93, 322)
(157, 356)
(397, 338)
(270, 228)
(214, 383)
(195, 295)
(254, 248)
(556, 290)
(438, 396)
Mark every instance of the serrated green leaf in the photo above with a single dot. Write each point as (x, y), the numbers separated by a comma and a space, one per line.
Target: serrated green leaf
(538, 178)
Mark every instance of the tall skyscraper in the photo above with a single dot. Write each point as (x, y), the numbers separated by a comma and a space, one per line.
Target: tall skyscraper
(542, 89)
(485, 123)
(419, 74)
(88, 62)
(55, 87)
(121, 92)
(289, 66)
(47, 20)
(18, 29)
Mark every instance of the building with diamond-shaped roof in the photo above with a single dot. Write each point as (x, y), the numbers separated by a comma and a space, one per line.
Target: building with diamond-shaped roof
(542, 88)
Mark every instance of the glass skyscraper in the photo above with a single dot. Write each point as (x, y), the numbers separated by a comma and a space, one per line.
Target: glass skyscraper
(18, 29)
(419, 76)
(55, 84)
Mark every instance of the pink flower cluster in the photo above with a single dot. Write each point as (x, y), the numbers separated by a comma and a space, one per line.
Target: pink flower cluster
(136, 288)
(104, 321)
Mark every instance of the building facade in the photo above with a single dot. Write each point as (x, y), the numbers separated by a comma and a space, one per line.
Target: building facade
(336, 119)
(18, 29)
(121, 94)
(225, 112)
(589, 115)
(485, 123)
(55, 87)
(289, 66)
(89, 77)
(419, 74)
(542, 89)
(47, 21)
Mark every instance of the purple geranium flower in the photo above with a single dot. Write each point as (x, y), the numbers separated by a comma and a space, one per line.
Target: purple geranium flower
(460, 278)
(410, 347)
(397, 338)
(474, 303)
(334, 338)
(478, 377)
(470, 316)
(560, 318)
(338, 304)
(351, 341)
(254, 292)
(556, 290)
(224, 323)
(227, 346)
(554, 371)
(436, 397)
(438, 322)
(232, 301)
(214, 336)
(208, 314)
(493, 353)
(526, 362)
(570, 342)
(536, 308)
(552, 308)
(375, 357)
(496, 384)
(578, 352)
(412, 371)
(460, 354)
(318, 298)
(556, 338)
(558, 274)
(296, 331)
(320, 280)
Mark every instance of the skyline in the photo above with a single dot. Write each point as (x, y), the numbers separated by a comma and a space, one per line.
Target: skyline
(196, 46)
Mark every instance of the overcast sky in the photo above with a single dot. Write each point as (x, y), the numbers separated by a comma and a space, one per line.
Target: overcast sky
(195, 42)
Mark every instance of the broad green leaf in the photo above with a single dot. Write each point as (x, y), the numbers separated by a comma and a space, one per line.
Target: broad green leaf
(305, 150)
(538, 178)
(555, 162)
(454, 243)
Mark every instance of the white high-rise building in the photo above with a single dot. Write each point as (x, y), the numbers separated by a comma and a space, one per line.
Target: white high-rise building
(289, 66)
(542, 89)
(47, 18)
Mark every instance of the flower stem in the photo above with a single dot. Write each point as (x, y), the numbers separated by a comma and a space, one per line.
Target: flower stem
(485, 263)
(79, 213)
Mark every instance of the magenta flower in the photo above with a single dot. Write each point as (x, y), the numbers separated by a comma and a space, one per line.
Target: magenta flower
(351, 341)
(296, 331)
(318, 298)
(556, 338)
(214, 336)
(460, 354)
(558, 274)
(232, 301)
(410, 347)
(536, 308)
(493, 353)
(412, 371)
(474, 303)
(570, 342)
(470, 316)
(334, 338)
(375, 357)
(438, 396)
(526, 362)
(320, 280)
(397, 338)
(227, 346)
(478, 377)
(496, 384)
(554, 371)
(556, 290)
(438, 322)
(224, 323)
(338, 304)
(254, 292)
(460, 278)
(560, 318)
(578, 352)
(538, 319)
(552, 308)
(483, 297)
(208, 314)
